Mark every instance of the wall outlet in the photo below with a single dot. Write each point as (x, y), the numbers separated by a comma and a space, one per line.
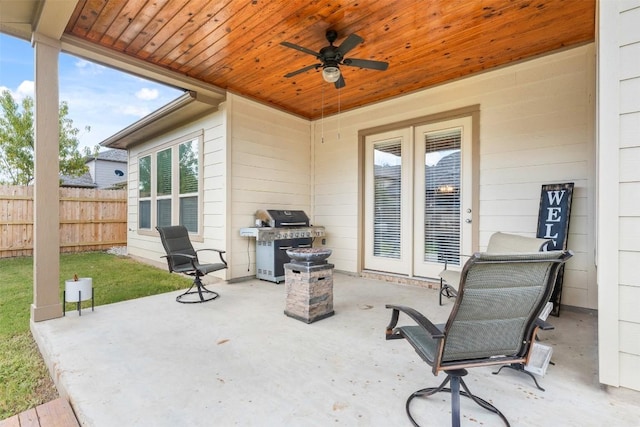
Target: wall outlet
(324, 241)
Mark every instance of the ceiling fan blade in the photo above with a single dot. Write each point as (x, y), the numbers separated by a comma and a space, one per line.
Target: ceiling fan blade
(340, 82)
(366, 63)
(349, 43)
(300, 48)
(302, 70)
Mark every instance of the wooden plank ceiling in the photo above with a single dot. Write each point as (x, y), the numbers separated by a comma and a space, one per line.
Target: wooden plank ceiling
(235, 44)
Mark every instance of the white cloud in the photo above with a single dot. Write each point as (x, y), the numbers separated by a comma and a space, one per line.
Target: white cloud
(25, 89)
(147, 94)
(88, 68)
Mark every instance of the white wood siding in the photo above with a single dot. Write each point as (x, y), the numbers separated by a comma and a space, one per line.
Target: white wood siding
(270, 168)
(536, 127)
(104, 172)
(619, 190)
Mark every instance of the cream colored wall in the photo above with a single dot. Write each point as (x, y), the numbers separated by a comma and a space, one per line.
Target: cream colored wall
(536, 127)
(214, 174)
(270, 168)
(629, 194)
(618, 190)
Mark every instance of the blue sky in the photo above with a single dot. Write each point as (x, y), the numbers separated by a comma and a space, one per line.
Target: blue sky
(102, 98)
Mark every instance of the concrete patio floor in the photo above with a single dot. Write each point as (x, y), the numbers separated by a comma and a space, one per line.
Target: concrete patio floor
(239, 360)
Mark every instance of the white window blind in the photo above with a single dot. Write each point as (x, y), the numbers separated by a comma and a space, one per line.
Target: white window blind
(387, 219)
(442, 196)
(189, 213)
(144, 214)
(163, 188)
(144, 192)
(163, 212)
(144, 173)
(163, 172)
(188, 159)
(188, 165)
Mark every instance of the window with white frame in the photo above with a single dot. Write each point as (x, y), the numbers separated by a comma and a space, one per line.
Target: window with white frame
(169, 185)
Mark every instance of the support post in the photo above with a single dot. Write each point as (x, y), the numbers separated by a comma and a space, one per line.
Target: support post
(46, 243)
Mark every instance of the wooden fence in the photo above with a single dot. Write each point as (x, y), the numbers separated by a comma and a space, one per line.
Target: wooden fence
(90, 220)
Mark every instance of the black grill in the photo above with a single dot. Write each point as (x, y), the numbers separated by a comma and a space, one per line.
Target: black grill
(277, 231)
(288, 218)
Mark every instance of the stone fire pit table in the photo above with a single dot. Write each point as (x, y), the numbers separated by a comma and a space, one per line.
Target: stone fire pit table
(308, 281)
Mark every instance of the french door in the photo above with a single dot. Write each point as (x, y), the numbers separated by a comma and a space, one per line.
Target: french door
(388, 217)
(418, 198)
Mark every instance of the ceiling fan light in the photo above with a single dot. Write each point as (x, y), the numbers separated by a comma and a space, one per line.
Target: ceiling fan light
(331, 74)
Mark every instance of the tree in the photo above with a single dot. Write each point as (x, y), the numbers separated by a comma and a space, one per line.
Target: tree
(17, 142)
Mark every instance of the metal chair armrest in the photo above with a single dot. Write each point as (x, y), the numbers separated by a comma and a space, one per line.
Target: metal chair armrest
(212, 249)
(220, 252)
(422, 321)
(177, 255)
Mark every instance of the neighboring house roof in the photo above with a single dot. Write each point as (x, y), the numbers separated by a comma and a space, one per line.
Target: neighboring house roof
(84, 181)
(111, 155)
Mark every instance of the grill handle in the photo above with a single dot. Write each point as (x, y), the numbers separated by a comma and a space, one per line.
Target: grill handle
(284, 248)
(306, 245)
(293, 223)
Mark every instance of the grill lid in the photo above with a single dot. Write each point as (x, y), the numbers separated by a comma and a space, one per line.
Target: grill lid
(284, 218)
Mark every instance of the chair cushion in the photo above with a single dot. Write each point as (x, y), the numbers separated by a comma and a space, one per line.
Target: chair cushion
(508, 243)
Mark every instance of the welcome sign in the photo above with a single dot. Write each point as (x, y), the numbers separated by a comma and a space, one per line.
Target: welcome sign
(553, 223)
(553, 218)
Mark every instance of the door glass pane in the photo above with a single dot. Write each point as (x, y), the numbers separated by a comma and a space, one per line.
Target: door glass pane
(387, 202)
(442, 197)
(163, 172)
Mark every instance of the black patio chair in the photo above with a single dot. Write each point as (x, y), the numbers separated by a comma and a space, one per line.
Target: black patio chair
(182, 258)
(493, 321)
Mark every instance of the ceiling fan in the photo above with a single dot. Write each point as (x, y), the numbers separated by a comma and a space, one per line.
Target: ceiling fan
(332, 57)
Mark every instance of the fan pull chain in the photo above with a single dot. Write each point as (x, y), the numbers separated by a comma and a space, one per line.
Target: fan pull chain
(339, 90)
(322, 115)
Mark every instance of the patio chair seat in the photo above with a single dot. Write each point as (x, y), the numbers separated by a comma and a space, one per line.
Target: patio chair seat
(204, 269)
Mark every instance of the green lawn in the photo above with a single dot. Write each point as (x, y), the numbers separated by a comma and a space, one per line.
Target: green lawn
(24, 379)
